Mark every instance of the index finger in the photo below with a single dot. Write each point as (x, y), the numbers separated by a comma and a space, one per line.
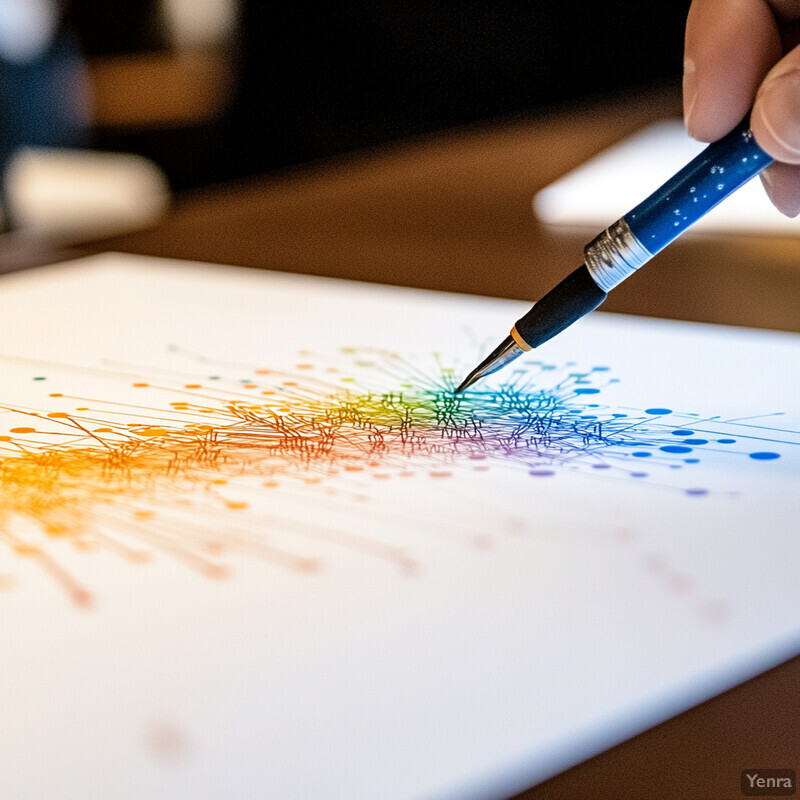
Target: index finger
(730, 46)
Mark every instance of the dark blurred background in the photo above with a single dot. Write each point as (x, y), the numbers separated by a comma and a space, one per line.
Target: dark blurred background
(279, 84)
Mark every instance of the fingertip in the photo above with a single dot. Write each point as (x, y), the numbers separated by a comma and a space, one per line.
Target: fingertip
(775, 119)
(729, 47)
(782, 184)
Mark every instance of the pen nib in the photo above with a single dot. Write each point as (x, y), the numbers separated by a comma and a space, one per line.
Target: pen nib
(504, 353)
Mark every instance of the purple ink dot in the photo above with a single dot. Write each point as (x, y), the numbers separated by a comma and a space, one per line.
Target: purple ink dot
(541, 473)
(697, 492)
(601, 466)
(638, 474)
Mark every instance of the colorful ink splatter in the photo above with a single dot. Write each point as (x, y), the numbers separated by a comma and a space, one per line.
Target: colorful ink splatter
(171, 476)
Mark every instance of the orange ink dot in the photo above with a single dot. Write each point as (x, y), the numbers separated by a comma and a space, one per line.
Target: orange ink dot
(270, 484)
(353, 468)
(290, 383)
(56, 394)
(441, 474)
(104, 430)
(58, 415)
(218, 481)
(5, 438)
(309, 565)
(27, 550)
(236, 505)
(193, 386)
(152, 432)
(23, 430)
(144, 514)
(141, 385)
(304, 366)
(263, 371)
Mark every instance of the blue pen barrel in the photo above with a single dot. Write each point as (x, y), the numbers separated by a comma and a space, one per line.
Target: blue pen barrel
(617, 252)
(705, 181)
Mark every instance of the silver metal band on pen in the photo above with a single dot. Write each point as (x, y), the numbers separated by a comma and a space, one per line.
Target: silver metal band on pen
(614, 255)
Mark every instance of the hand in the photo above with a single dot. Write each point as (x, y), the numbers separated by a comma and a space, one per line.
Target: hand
(741, 54)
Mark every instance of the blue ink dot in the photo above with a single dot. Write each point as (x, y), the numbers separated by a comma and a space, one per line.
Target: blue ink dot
(600, 369)
(695, 441)
(641, 454)
(691, 460)
(593, 405)
(588, 416)
(658, 411)
(675, 448)
(764, 456)
(541, 473)
(587, 391)
(682, 433)
(619, 416)
(638, 474)
(697, 492)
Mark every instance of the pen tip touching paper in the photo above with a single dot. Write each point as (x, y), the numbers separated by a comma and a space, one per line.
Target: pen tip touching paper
(503, 354)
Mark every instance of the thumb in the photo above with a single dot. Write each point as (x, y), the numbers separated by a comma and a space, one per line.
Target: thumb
(775, 118)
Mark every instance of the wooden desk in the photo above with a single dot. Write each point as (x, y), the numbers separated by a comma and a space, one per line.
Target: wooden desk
(453, 212)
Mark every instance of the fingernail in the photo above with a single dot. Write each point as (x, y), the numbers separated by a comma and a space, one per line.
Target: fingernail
(767, 183)
(778, 106)
(689, 93)
(788, 203)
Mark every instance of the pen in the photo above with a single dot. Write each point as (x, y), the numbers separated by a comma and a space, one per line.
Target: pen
(614, 255)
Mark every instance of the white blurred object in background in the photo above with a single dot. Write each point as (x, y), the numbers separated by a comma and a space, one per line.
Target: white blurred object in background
(71, 194)
(27, 28)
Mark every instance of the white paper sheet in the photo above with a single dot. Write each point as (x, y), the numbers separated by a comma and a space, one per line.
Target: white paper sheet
(252, 548)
